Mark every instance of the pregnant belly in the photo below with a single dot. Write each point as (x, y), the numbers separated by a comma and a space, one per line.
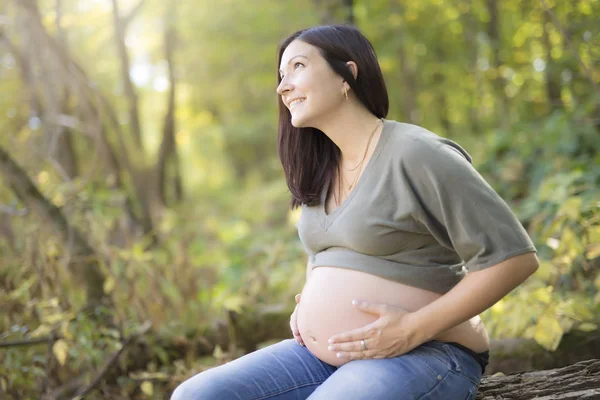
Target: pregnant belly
(326, 309)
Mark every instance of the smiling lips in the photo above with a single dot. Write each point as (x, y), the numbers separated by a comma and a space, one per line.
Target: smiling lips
(295, 102)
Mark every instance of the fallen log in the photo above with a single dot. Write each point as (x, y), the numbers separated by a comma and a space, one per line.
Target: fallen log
(516, 355)
(578, 381)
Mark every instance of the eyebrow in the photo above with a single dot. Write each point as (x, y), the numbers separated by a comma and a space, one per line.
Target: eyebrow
(299, 55)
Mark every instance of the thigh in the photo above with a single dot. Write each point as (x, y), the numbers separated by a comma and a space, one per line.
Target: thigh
(431, 371)
(283, 371)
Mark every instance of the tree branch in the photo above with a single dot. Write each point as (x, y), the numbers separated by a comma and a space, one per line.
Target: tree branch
(20, 343)
(113, 359)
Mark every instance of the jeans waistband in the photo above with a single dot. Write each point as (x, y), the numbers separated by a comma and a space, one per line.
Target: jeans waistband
(482, 358)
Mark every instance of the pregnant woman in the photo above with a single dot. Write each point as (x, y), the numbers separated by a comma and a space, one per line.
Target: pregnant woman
(394, 217)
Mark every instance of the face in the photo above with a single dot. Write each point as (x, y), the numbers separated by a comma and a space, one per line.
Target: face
(308, 78)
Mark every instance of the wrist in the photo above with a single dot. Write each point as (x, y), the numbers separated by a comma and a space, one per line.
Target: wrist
(420, 330)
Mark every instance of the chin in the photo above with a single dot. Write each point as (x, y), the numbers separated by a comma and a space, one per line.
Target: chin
(298, 123)
(301, 122)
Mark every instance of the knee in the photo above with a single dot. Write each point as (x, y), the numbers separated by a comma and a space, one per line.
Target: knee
(196, 388)
(179, 393)
(182, 392)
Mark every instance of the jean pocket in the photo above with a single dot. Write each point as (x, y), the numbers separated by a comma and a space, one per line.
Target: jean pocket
(427, 358)
(458, 358)
(438, 352)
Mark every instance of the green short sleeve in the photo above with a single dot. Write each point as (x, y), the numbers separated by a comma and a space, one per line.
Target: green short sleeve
(458, 207)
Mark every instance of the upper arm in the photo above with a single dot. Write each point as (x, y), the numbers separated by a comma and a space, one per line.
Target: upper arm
(459, 208)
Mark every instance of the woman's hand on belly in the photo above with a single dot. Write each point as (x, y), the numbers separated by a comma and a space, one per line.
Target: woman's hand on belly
(294, 323)
(390, 335)
(326, 311)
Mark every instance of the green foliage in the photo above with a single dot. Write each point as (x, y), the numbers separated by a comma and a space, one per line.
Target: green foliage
(560, 165)
(231, 245)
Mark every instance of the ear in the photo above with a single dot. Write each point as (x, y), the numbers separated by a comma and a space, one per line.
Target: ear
(353, 68)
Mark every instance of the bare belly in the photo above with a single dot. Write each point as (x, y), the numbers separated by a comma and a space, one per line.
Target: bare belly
(326, 309)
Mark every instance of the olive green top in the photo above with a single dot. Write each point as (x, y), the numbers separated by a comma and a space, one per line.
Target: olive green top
(420, 214)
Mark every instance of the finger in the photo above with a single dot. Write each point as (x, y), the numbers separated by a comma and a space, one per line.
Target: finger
(373, 308)
(359, 355)
(348, 346)
(297, 297)
(354, 335)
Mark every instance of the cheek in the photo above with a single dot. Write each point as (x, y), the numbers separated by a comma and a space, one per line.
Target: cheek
(328, 96)
(323, 91)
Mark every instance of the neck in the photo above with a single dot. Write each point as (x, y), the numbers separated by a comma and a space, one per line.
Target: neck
(350, 130)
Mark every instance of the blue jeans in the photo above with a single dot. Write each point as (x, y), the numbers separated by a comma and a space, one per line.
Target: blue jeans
(287, 370)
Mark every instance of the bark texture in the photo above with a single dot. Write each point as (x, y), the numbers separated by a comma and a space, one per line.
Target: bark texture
(577, 381)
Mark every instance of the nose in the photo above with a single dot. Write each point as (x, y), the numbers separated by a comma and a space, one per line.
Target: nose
(283, 87)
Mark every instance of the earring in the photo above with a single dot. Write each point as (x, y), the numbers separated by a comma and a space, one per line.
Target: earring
(346, 92)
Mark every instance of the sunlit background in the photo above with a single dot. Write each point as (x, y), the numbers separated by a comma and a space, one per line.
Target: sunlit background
(142, 196)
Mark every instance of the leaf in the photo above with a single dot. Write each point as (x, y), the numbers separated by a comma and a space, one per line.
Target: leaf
(548, 332)
(592, 251)
(64, 330)
(587, 327)
(571, 208)
(218, 352)
(40, 331)
(543, 294)
(109, 285)
(60, 349)
(22, 292)
(545, 271)
(147, 388)
(234, 303)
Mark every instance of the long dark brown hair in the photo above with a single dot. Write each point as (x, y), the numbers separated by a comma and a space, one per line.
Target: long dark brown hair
(308, 156)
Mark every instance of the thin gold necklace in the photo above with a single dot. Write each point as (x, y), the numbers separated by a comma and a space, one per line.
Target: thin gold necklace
(357, 174)
(367, 148)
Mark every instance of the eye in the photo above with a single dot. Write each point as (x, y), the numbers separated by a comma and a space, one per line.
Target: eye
(295, 64)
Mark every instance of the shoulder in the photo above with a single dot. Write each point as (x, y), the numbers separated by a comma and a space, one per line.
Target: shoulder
(414, 144)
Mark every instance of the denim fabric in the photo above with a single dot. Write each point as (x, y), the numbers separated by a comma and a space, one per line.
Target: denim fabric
(288, 371)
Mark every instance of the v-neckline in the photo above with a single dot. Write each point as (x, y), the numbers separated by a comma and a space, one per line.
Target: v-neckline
(328, 219)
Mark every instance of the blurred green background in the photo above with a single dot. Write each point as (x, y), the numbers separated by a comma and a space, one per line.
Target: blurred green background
(143, 205)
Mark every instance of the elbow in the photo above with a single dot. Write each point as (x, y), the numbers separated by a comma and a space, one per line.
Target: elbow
(534, 262)
(529, 264)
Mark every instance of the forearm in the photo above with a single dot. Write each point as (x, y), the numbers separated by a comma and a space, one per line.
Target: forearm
(477, 292)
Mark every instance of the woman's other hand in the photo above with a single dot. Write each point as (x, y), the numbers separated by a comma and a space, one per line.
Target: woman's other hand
(294, 324)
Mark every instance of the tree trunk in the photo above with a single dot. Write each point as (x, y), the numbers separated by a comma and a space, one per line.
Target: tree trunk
(84, 263)
(134, 117)
(439, 79)
(470, 32)
(407, 74)
(168, 147)
(496, 62)
(552, 70)
(65, 151)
